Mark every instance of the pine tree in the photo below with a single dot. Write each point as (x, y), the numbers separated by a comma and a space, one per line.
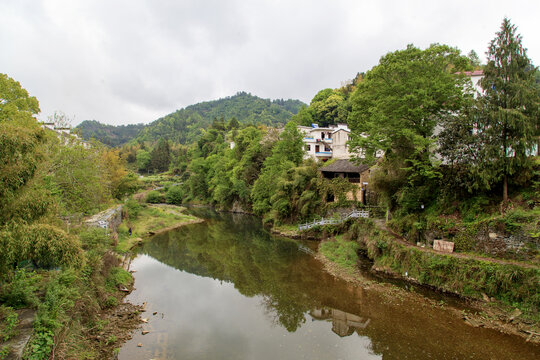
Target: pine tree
(508, 124)
(160, 156)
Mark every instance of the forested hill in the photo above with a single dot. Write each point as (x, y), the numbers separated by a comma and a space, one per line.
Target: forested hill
(184, 125)
(109, 134)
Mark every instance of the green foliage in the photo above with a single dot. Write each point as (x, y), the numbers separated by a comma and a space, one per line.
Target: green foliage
(110, 302)
(19, 289)
(78, 174)
(108, 134)
(344, 253)
(9, 319)
(286, 154)
(60, 296)
(44, 245)
(50, 247)
(493, 137)
(513, 285)
(160, 156)
(127, 185)
(327, 107)
(94, 238)
(144, 159)
(132, 207)
(118, 276)
(396, 109)
(19, 159)
(509, 125)
(175, 195)
(154, 197)
(4, 352)
(15, 102)
(401, 100)
(185, 125)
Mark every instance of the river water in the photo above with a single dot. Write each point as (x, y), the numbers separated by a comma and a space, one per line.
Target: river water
(227, 289)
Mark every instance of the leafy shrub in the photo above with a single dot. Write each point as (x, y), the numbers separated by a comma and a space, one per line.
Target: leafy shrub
(19, 289)
(4, 352)
(341, 252)
(50, 247)
(472, 207)
(154, 197)
(60, 296)
(174, 195)
(118, 276)
(94, 238)
(110, 302)
(8, 322)
(133, 208)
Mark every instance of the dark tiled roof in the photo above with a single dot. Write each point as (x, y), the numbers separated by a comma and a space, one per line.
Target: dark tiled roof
(344, 166)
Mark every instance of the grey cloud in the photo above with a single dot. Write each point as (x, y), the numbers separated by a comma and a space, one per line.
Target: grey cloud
(134, 61)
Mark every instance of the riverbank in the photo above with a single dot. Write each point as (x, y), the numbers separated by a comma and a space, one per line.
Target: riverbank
(504, 295)
(146, 220)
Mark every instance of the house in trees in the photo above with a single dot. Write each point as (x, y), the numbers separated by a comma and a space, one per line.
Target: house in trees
(355, 174)
(65, 134)
(324, 143)
(475, 76)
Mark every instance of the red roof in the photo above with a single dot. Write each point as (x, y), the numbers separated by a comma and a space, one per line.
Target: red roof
(474, 73)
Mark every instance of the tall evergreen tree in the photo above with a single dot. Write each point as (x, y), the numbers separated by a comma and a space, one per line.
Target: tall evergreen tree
(508, 124)
(160, 156)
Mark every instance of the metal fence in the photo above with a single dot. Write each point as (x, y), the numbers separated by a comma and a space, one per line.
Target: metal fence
(333, 221)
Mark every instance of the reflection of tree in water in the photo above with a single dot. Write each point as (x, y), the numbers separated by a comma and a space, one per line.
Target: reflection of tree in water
(291, 283)
(240, 251)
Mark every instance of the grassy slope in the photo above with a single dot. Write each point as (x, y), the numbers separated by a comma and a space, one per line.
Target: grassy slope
(150, 219)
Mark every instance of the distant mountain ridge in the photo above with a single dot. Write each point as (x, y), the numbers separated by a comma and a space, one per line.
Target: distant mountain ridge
(108, 134)
(185, 125)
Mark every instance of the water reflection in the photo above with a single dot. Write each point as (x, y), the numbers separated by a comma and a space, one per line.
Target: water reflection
(243, 294)
(343, 323)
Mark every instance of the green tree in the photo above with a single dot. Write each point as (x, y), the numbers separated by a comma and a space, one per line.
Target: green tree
(474, 59)
(399, 103)
(508, 123)
(160, 157)
(143, 160)
(79, 174)
(21, 140)
(287, 153)
(15, 103)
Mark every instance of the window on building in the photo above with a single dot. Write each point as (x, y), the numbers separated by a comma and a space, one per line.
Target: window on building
(308, 147)
(326, 148)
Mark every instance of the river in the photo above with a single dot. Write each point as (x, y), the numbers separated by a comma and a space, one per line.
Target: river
(227, 289)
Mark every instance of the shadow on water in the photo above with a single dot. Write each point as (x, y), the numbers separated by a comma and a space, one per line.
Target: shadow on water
(295, 294)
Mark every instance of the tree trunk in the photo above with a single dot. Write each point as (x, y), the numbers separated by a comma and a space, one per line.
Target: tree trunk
(505, 189)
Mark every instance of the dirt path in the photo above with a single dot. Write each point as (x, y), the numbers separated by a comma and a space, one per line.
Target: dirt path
(381, 226)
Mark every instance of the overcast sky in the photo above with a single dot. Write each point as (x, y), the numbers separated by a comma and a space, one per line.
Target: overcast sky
(132, 61)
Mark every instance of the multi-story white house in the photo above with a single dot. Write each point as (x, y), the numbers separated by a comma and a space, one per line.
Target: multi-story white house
(65, 134)
(323, 143)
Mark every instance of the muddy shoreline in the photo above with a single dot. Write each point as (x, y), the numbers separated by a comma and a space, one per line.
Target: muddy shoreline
(489, 315)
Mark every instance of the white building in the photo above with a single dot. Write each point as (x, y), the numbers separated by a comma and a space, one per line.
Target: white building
(323, 143)
(65, 135)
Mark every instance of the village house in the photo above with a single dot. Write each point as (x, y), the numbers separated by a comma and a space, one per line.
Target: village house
(65, 134)
(358, 175)
(324, 143)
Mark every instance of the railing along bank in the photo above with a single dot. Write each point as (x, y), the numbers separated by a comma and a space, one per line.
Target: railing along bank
(332, 221)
